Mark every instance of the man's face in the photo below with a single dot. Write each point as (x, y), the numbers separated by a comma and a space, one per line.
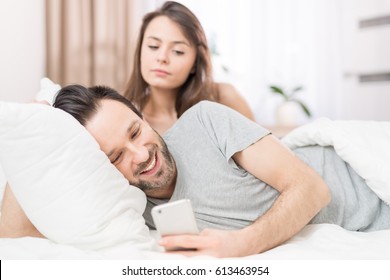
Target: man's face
(136, 150)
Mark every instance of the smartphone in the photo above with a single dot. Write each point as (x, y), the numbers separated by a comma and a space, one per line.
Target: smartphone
(175, 217)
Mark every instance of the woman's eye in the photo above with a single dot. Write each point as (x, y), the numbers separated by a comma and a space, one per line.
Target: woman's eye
(153, 47)
(178, 52)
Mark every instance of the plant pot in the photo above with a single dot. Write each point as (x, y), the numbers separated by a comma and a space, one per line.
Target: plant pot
(288, 114)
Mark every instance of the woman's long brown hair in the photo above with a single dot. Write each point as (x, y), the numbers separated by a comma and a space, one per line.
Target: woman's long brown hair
(199, 85)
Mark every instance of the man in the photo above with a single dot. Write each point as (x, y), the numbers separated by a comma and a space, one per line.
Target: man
(226, 165)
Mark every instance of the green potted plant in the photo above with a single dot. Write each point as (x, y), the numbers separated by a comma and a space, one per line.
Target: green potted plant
(287, 113)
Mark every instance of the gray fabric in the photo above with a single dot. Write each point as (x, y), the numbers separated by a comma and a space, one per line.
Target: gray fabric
(354, 206)
(225, 196)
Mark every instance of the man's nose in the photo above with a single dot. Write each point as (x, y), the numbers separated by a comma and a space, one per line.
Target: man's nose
(139, 154)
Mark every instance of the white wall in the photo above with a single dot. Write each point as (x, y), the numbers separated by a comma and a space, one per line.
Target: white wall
(308, 42)
(288, 43)
(22, 48)
(365, 51)
(312, 43)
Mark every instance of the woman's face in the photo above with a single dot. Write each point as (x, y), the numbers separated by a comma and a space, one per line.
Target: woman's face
(167, 56)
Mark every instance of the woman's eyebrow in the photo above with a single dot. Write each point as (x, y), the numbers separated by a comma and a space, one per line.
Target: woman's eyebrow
(173, 42)
(154, 38)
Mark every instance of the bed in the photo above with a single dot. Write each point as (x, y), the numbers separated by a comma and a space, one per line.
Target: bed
(314, 242)
(74, 196)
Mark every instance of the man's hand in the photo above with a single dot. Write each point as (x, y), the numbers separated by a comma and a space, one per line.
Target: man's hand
(217, 243)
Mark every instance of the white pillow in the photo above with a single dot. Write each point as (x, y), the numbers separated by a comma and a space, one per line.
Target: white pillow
(47, 91)
(65, 183)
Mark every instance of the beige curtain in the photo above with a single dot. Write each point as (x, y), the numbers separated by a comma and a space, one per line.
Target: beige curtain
(91, 42)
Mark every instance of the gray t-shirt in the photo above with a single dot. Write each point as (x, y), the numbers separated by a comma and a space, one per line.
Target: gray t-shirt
(225, 196)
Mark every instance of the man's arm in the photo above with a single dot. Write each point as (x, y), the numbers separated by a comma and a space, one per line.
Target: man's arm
(13, 220)
(303, 194)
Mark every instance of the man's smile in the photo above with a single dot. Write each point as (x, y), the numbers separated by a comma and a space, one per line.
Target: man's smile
(152, 167)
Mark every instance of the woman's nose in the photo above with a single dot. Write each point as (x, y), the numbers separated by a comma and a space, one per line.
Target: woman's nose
(162, 56)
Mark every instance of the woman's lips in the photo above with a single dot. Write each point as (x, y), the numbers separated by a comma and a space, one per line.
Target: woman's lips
(160, 72)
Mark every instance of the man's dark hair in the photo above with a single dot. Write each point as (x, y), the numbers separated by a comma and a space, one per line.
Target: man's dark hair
(82, 103)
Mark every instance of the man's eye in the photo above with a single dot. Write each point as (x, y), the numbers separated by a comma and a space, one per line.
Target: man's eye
(117, 158)
(135, 133)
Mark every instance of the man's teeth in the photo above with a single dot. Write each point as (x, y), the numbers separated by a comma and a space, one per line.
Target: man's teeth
(151, 165)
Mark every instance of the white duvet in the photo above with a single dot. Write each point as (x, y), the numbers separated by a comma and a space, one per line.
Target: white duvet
(365, 145)
(320, 242)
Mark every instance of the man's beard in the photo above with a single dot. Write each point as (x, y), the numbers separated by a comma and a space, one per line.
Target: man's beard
(166, 176)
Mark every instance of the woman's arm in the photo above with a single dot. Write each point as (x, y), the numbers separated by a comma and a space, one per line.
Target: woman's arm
(13, 221)
(230, 97)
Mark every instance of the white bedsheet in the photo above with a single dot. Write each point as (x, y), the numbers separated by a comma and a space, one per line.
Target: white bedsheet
(321, 242)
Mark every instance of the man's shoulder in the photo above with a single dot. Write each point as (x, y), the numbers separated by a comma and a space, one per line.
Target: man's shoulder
(206, 107)
(206, 104)
(199, 115)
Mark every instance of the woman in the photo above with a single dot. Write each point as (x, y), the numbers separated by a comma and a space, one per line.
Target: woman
(172, 69)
